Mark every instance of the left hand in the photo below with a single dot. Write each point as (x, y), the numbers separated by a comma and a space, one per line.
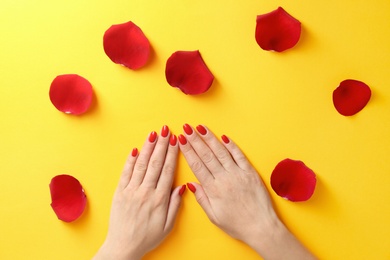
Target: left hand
(144, 208)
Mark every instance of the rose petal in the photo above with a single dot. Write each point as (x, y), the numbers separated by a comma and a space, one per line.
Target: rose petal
(293, 180)
(71, 94)
(127, 45)
(187, 71)
(351, 97)
(68, 197)
(277, 30)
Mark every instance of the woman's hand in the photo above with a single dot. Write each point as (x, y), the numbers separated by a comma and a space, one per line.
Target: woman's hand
(234, 197)
(144, 207)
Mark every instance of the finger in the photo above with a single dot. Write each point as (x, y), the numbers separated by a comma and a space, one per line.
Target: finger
(142, 162)
(238, 156)
(128, 169)
(173, 208)
(204, 152)
(198, 168)
(218, 149)
(157, 159)
(202, 199)
(166, 177)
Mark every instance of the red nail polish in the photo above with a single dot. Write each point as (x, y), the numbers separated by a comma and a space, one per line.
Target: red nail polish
(225, 139)
(134, 153)
(164, 131)
(182, 190)
(187, 129)
(191, 187)
(201, 130)
(152, 137)
(173, 140)
(182, 139)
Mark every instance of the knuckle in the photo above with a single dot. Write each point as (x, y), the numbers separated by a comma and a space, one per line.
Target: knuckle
(240, 158)
(156, 164)
(196, 166)
(207, 157)
(138, 196)
(201, 200)
(222, 154)
(140, 166)
(168, 169)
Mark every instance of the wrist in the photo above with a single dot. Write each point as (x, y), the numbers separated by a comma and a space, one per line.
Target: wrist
(277, 242)
(266, 236)
(109, 251)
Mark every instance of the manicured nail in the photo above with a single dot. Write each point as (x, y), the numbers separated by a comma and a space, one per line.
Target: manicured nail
(134, 153)
(182, 190)
(152, 137)
(173, 140)
(191, 187)
(182, 139)
(225, 139)
(201, 130)
(187, 129)
(164, 131)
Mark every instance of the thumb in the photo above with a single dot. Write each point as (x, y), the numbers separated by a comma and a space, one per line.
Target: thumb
(173, 207)
(202, 199)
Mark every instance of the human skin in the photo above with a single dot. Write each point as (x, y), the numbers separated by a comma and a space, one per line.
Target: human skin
(230, 191)
(144, 207)
(234, 197)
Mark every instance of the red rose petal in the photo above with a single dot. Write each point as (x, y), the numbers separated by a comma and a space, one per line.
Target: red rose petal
(71, 94)
(127, 45)
(293, 180)
(277, 30)
(187, 71)
(351, 97)
(68, 197)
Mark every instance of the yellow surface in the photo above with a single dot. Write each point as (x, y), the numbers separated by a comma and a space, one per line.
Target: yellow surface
(274, 105)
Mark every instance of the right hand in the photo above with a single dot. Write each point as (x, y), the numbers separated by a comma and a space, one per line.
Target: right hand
(233, 195)
(231, 191)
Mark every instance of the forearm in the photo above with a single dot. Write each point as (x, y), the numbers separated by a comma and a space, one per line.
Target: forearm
(279, 244)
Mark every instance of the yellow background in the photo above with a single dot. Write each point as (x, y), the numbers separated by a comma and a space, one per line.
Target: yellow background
(274, 105)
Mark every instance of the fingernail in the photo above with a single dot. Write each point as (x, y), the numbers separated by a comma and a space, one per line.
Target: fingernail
(182, 190)
(173, 140)
(201, 129)
(191, 187)
(187, 129)
(225, 139)
(182, 139)
(164, 131)
(152, 137)
(134, 153)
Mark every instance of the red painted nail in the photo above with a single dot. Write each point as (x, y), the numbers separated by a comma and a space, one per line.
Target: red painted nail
(182, 139)
(201, 130)
(187, 129)
(182, 190)
(134, 153)
(164, 131)
(191, 187)
(152, 137)
(225, 139)
(173, 140)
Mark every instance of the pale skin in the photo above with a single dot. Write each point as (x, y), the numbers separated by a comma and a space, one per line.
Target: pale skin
(230, 191)
(144, 207)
